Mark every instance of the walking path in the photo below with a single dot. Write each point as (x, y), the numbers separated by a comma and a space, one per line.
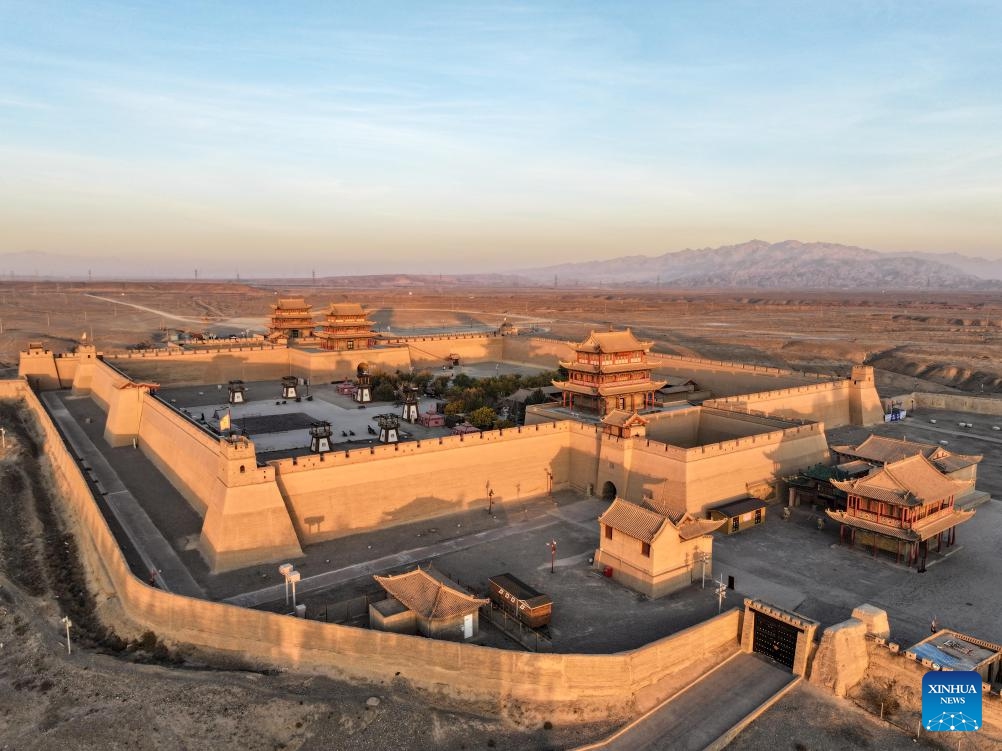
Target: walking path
(155, 552)
(706, 710)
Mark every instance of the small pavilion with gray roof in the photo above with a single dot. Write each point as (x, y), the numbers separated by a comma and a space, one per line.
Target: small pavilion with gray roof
(426, 602)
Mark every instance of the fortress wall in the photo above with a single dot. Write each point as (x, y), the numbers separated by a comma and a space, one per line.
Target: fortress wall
(723, 477)
(48, 370)
(433, 351)
(103, 383)
(826, 402)
(184, 453)
(979, 405)
(190, 368)
(66, 368)
(715, 473)
(384, 486)
(325, 366)
(729, 378)
(715, 427)
(526, 686)
(536, 351)
(679, 427)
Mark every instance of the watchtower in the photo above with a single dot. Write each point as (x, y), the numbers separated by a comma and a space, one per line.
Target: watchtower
(363, 384)
(409, 393)
(237, 389)
(320, 437)
(388, 428)
(289, 384)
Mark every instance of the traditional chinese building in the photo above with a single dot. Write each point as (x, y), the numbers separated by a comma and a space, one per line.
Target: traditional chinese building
(346, 327)
(609, 372)
(901, 507)
(651, 550)
(878, 450)
(292, 319)
(425, 602)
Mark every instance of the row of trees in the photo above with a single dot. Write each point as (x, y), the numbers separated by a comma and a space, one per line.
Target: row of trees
(478, 400)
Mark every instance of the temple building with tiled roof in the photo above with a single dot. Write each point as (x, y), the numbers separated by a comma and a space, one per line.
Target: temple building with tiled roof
(346, 328)
(609, 371)
(428, 604)
(878, 450)
(292, 319)
(902, 507)
(653, 548)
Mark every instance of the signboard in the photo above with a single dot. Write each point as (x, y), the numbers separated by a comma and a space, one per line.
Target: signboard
(951, 701)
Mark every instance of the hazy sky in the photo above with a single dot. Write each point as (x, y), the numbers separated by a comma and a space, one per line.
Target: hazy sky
(427, 136)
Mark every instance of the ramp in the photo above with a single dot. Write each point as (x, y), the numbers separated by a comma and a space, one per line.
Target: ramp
(714, 708)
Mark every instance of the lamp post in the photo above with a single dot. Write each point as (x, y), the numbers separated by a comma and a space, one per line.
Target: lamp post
(490, 501)
(552, 545)
(3, 436)
(703, 557)
(285, 569)
(67, 622)
(721, 593)
(294, 576)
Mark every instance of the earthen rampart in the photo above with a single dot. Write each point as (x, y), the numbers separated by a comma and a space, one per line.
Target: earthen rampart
(183, 453)
(975, 404)
(525, 686)
(832, 403)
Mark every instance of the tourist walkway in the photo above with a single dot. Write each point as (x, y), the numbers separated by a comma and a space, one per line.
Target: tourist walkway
(155, 552)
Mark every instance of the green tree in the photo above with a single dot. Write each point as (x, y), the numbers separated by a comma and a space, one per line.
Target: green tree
(455, 407)
(483, 418)
(384, 392)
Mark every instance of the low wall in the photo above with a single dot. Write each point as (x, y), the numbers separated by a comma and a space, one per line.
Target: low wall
(525, 686)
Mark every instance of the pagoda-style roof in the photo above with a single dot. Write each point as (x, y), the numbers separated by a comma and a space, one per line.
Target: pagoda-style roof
(912, 481)
(609, 342)
(950, 462)
(646, 524)
(609, 390)
(621, 418)
(346, 309)
(922, 530)
(883, 450)
(429, 597)
(619, 367)
(291, 304)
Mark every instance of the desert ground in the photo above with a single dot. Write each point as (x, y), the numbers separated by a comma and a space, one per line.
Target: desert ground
(112, 694)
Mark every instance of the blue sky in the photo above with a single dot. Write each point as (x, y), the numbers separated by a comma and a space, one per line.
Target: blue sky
(381, 137)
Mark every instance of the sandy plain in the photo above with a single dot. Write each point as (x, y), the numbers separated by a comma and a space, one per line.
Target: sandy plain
(140, 695)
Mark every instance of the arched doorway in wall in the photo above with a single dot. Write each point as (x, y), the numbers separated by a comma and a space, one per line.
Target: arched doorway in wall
(608, 491)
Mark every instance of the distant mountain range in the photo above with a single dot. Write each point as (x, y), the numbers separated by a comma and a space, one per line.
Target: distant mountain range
(787, 265)
(752, 265)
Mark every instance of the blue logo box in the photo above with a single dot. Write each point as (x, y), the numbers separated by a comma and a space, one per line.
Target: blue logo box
(951, 701)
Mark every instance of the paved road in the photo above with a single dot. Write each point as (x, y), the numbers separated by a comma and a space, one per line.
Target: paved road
(149, 543)
(694, 719)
